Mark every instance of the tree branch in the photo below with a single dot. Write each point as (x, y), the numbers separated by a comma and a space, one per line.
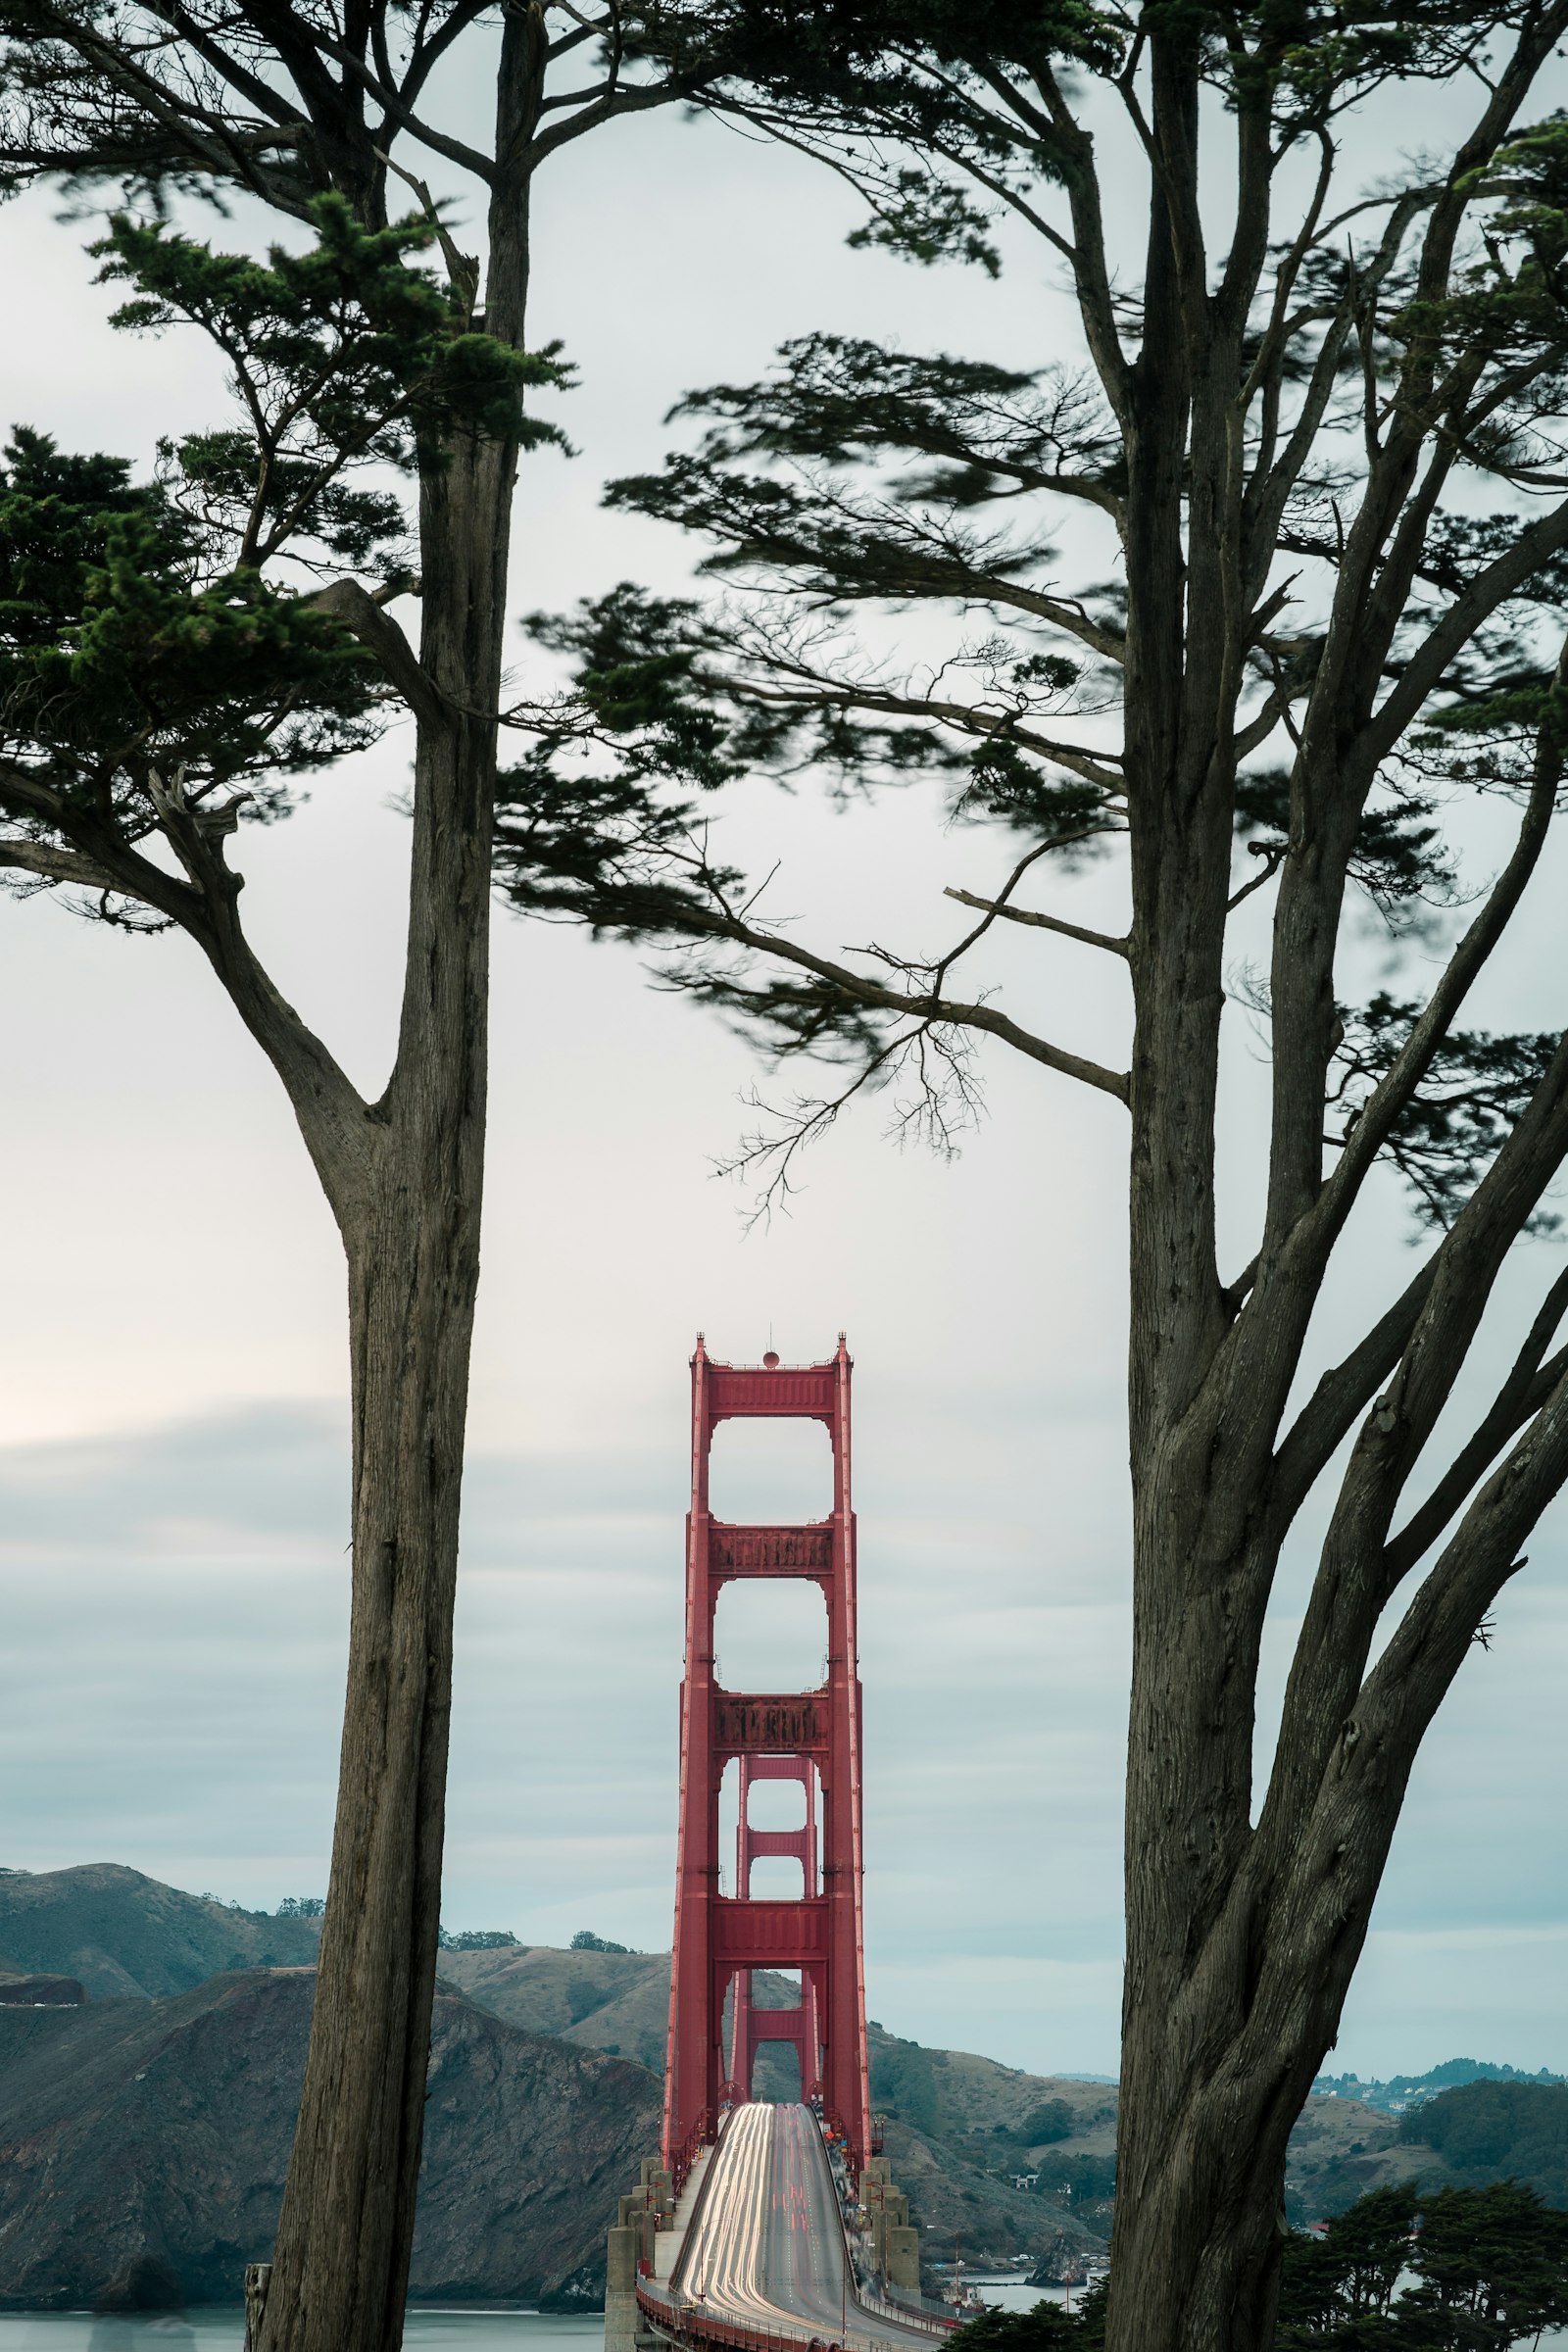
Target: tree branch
(335, 1119)
(1406, 1686)
(346, 601)
(52, 864)
(1340, 1398)
(1314, 1237)
(823, 693)
(1426, 668)
(1529, 1384)
(875, 996)
(1042, 923)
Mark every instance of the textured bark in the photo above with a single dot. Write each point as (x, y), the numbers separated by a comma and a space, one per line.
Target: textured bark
(1217, 448)
(292, 104)
(1241, 1937)
(412, 1237)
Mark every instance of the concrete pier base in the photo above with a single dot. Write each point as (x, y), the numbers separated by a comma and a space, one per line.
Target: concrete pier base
(621, 2290)
(649, 2228)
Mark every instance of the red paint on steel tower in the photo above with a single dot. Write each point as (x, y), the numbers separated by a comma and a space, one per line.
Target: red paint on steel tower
(809, 1736)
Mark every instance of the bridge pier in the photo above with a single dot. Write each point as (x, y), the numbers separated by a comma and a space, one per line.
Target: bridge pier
(621, 2318)
(894, 2244)
(633, 2250)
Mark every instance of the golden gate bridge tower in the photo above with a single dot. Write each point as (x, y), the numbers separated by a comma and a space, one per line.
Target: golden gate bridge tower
(813, 1737)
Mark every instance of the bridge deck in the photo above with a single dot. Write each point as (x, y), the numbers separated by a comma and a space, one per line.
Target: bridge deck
(765, 2251)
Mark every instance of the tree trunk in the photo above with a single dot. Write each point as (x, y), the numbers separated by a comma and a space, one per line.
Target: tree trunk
(340, 2266)
(411, 1232)
(1201, 2141)
(1212, 2087)
(1207, 2109)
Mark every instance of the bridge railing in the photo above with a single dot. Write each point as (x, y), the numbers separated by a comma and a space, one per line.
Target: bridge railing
(688, 2325)
(908, 2307)
(701, 2135)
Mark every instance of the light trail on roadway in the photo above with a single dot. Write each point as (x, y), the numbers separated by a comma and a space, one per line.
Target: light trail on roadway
(766, 2249)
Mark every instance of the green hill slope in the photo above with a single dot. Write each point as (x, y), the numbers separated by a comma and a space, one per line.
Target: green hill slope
(612, 2001)
(124, 1936)
(1483, 2131)
(963, 2130)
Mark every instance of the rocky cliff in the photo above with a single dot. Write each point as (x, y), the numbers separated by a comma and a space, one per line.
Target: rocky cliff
(962, 2130)
(136, 2126)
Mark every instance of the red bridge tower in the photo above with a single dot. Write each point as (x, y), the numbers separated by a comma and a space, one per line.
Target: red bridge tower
(808, 1735)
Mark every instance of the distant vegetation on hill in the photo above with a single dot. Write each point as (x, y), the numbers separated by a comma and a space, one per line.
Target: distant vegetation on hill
(1007, 2163)
(130, 1936)
(1404, 2091)
(1480, 2131)
(1489, 2131)
(1013, 2166)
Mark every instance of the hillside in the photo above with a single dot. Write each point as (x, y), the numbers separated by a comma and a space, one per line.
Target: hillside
(962, 2130)
(1483, 2131)
(1402, 2091)
(164, 2126)
(126, 1937)
(618, 2002)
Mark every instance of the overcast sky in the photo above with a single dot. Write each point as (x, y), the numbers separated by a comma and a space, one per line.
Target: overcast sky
(173, 1428)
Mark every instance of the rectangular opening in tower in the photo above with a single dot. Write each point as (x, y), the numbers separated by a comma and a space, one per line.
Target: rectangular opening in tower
(770, 1473)
(770, 1635)
(778, 1879)
(776, 1804)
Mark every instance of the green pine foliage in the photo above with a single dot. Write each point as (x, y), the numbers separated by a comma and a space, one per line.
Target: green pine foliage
(1448, 2270)
(125, 647)
(1339, 2288)
(1045, 2327)
(855, 484)
(166, 627)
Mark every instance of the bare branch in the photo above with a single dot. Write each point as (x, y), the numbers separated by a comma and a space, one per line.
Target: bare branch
(856, 988)
(1529, 1384)
(53, 864)
(351, 604)
(1406, 1686)
(1317, 1229)
(1042, 922)
(1273, 856)
(1342, 1395)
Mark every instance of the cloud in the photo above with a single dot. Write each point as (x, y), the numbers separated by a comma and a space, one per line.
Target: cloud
(172, 1680)
(173, 1677)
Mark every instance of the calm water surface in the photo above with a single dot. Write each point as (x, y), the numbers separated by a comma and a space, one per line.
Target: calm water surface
(219, 2327)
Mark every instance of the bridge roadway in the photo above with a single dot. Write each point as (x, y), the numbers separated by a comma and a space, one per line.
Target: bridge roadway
(767, 2250)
